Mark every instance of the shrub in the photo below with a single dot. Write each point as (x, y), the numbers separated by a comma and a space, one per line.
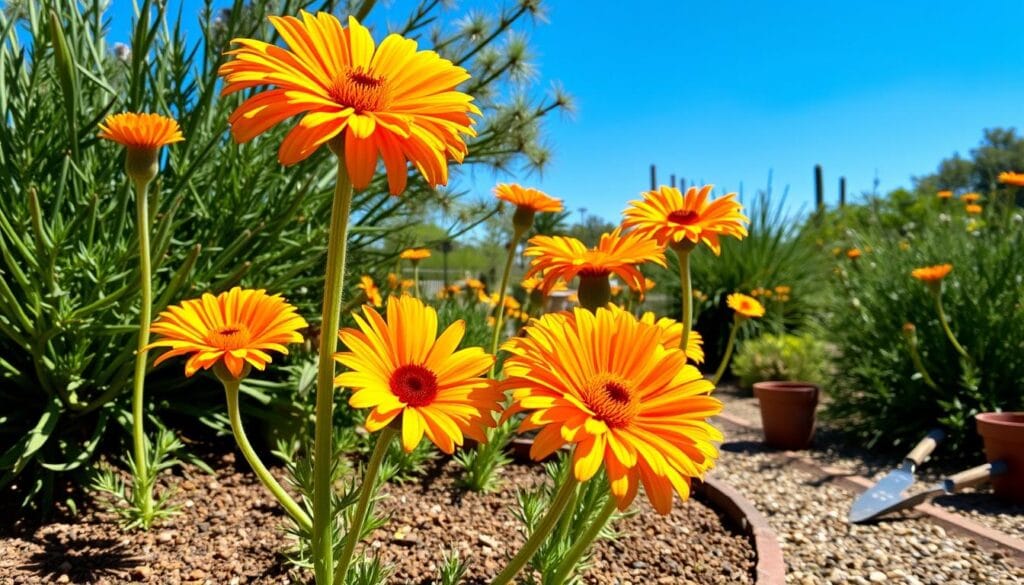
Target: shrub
(780, 357)
(878, 393)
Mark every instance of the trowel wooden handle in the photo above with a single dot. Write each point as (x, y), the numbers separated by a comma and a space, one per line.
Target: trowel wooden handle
(973, 476)
(926, 446)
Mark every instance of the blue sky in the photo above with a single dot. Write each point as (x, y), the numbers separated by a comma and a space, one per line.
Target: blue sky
(725, 92)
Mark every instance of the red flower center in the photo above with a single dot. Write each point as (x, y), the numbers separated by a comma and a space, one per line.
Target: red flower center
(682, 217)
(229, 337)
(414, 385)
(360, 91)
(611, 400)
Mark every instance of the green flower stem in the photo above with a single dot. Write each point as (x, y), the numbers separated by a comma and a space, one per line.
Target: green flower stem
(566, 520)
(728, 350)
(293, 509)
(416, 278)
(572, 558)
(145, 315)
(945, 326)
(915, 356)
(499, 317)
(365, 494)
(686, 286)
(323, 447)
(543, 529)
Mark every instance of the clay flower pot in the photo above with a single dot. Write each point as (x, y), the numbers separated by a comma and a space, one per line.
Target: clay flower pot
(1003, 434)
(787, 412)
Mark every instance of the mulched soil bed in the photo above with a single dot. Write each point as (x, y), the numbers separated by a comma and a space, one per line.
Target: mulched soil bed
(230, 532)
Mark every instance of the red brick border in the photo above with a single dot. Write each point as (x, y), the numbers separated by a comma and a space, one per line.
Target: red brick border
(986, 537)
(771, 567)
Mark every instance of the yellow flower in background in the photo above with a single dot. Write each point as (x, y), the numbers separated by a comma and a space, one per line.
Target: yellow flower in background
(932, 274)
(970, 197)
(557, 258)
(400, 367)
(700, 296)
(527, 198)
(530, 284)
(973, 209)
(1011, 178)
(474, 284)
(415, 254)
(744, 305)
(371, 291)
(672, 218)
(616, 290)
(853, 253)
(904, 245)
(944, 194)
(643, 418)
(390, 102)
(672, 333)
(235, 328)
(783, 289)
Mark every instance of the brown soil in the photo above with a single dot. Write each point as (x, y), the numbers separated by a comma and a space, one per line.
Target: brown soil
(230, 532)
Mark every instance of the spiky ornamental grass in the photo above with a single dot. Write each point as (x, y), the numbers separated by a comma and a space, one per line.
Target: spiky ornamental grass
(68, 276)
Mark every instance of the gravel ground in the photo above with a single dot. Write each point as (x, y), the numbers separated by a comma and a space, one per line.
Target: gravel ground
(230, 533)
(818, 544)
(830, 449)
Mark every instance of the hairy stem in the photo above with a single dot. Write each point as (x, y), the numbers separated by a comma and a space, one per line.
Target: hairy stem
(543, 529)
(323, 449)
(365, 494)
(289, 504)
(139, 381)
(572, 558)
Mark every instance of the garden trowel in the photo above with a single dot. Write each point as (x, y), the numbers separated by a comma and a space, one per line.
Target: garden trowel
(954, 483)
(889, 490)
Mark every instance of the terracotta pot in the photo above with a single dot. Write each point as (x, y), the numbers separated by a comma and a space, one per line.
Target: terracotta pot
(787, 412)
(1003, 434)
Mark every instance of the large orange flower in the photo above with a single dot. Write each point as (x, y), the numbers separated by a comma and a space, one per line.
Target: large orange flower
(390, 101)
(1011, 178)
(527, 198)
(745, 306)
(605, 383)
(673, 218)
(234, 328)
(562, 257)
(400, 367)
(932, 274)
(142, 131)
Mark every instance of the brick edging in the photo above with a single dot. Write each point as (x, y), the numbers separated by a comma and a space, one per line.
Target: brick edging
(986, 537)
(771, 567)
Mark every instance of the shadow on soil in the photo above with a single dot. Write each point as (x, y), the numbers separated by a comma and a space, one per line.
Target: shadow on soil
(83, 560)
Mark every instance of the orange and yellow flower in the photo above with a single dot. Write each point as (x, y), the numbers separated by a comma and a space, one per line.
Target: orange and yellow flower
(944, 194)
(853, 253)
(605, 383)
(932, 274)
(563, 258)
(527, 198)
(415, 254)
(973, 209)
(371, 291)
(1011, 178)
(235, 328)
(745, 306)
(970, 197)
(672, 335)
(672, 218)
(401, 367)
(142, 131)
(390, 102)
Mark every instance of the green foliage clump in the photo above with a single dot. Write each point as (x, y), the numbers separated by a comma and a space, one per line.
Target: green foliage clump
(780, 357)
(882, 316)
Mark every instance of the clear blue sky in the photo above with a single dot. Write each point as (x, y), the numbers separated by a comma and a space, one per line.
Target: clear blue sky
(724, 92)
